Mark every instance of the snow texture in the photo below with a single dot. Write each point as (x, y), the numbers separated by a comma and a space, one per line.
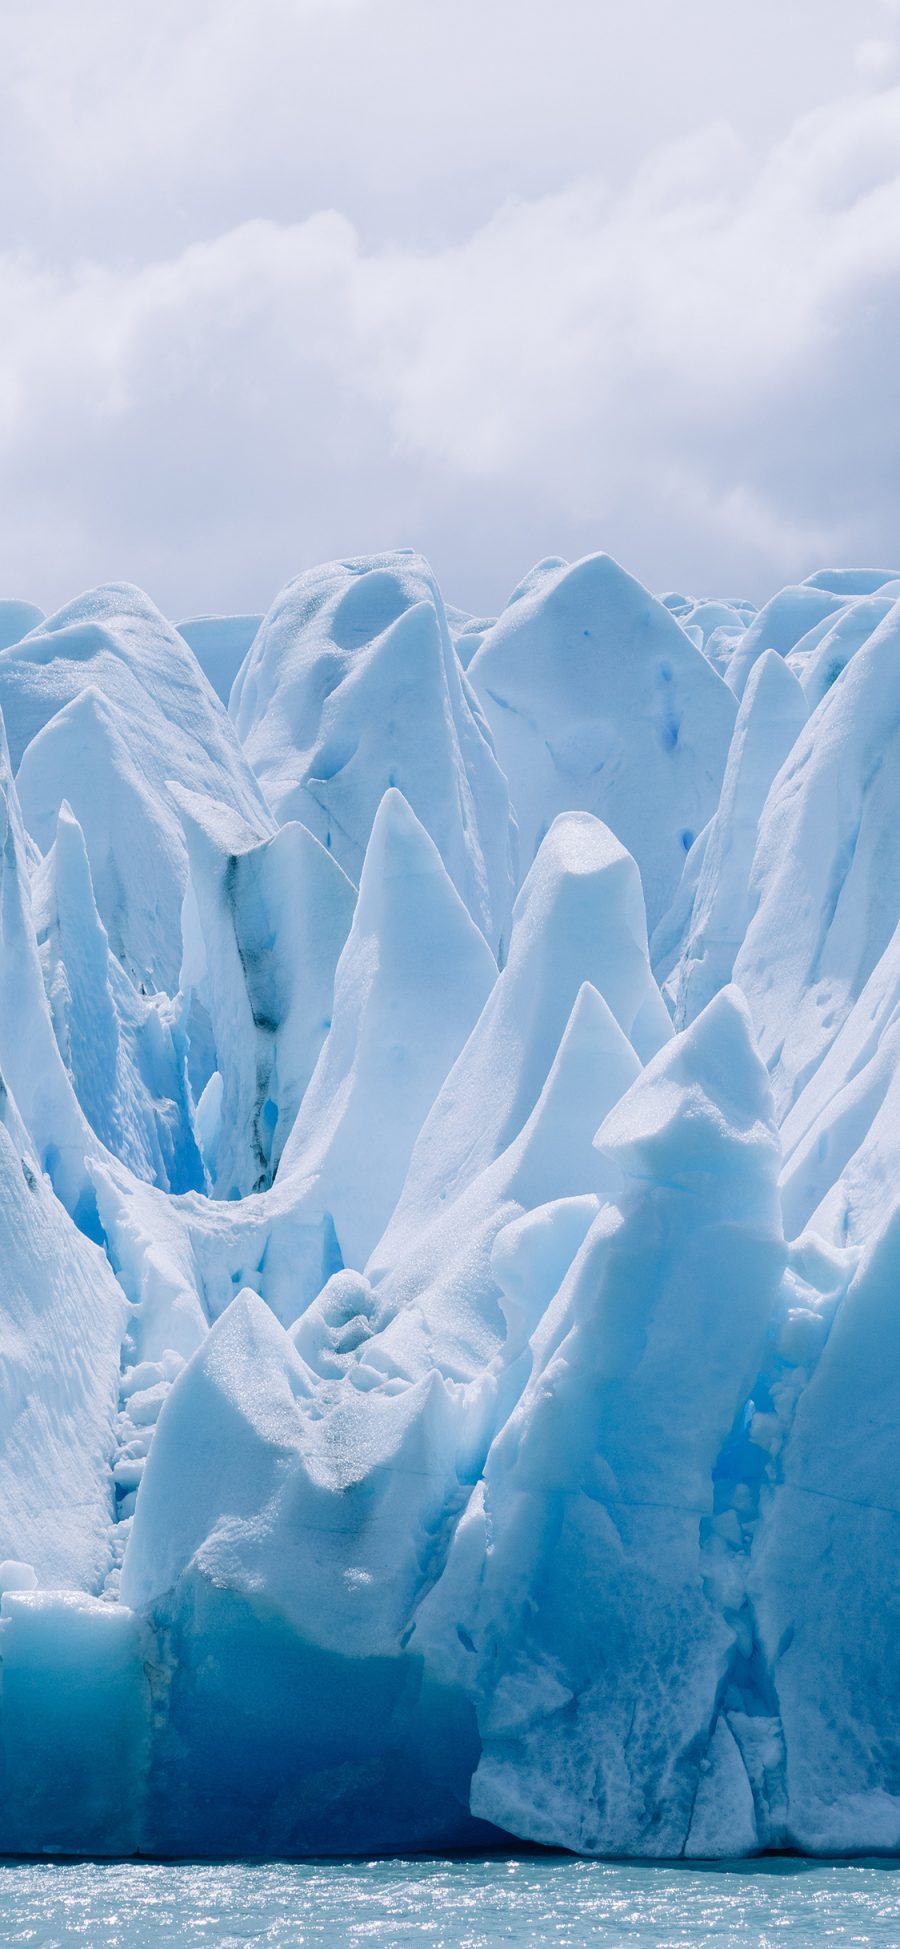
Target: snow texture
(449, 1348)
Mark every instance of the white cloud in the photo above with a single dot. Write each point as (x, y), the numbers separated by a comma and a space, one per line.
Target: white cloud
(876, 60)
(133, 127)
(697, 370)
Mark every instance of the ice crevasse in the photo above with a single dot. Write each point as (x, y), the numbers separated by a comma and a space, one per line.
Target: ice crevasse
(450, 1220)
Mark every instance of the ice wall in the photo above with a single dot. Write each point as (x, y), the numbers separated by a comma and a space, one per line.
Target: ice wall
(448, 1334)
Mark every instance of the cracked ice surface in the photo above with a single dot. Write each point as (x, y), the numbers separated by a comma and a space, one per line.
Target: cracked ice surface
(450, 1220)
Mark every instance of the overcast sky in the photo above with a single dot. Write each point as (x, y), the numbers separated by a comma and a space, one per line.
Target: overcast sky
(287, 279)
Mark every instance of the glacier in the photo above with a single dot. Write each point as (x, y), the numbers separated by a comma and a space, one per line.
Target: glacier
(450, 1219)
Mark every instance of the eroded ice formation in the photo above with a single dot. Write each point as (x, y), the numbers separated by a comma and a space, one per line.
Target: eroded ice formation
(450, 1219)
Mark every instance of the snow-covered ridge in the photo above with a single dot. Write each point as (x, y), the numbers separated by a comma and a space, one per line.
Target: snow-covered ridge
(450, 1219)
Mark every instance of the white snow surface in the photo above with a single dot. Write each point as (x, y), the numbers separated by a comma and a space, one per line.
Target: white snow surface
(449, 1347)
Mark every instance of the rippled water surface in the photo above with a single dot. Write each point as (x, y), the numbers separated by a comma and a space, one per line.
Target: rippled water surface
(469, 1904)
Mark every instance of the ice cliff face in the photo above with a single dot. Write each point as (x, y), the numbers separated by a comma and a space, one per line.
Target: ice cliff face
(450, 1219)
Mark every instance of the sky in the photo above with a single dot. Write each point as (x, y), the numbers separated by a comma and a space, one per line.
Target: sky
(495, 279)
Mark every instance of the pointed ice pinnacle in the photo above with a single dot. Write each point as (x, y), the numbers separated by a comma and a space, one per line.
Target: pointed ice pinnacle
(236, 1399)
(29, 1058)
(124, 1053)
(410, 984)
(824, 1571)
(598, 701)
(817, 665)
(579, 917)
(826, 867)
(411, 981)
(351, 687)
(264, 926)
(61, 1322)
(107, 705)
(791, 615)
(252, 1488)
(84, 757)
(444, 1298)
(842, 1137)
(595, 1489)
(771, 716)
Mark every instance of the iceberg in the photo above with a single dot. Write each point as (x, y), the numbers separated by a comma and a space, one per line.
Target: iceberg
(450, 1219)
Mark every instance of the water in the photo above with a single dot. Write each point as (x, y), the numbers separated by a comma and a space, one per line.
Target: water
(461, 1904)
